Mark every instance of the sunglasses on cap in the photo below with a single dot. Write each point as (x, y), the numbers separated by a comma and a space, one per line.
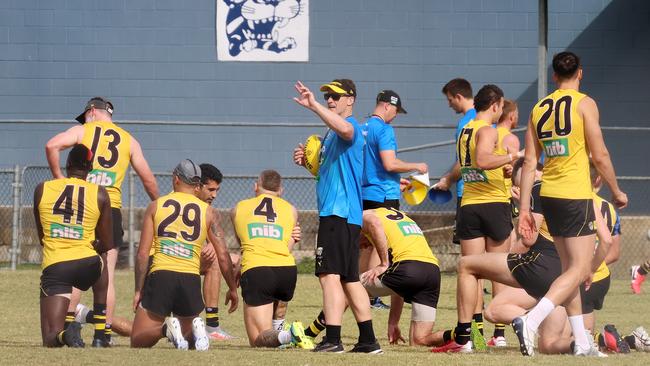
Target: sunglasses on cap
(335, 97)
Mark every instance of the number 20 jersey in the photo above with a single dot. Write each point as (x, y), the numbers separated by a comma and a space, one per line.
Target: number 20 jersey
(560, 132)
(263, 225)
(111, 146)
(180, 229)
(69, 212)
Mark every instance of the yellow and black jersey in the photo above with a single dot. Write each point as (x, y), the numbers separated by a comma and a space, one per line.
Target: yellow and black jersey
(613, 224)
(263, 225)
(180, 230)
(561, 135)
(69, 213)
(502, 132)
(111, 147)
(404, 237)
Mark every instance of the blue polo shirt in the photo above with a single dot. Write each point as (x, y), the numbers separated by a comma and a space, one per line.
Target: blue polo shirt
(339, 178)
(378, 184)
(470, 115)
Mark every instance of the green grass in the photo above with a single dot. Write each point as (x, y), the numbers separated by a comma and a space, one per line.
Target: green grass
(20, 341)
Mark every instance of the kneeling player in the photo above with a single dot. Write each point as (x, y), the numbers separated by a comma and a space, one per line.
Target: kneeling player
(263, 225)
(73, 219)
(408, 272)
(177, 225)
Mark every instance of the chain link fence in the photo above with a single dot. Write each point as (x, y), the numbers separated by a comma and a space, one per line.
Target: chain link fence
(19, 241)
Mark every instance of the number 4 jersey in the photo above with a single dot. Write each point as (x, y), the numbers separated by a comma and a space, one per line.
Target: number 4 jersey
(69, 212)
(561, 135)
(180, 230)
(263, 225)
(111, 147)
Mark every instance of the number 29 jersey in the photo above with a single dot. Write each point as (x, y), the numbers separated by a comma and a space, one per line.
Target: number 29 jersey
(69, 212)
(263, 225)
(560, 132)
(180, 230)
(111, 147)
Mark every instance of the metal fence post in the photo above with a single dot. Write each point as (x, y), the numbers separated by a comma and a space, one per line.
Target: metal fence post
(15, 227)
(131, 219)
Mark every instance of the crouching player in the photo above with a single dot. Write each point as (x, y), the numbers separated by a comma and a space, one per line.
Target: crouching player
(74, 224)
(177, 225)
(264, 225)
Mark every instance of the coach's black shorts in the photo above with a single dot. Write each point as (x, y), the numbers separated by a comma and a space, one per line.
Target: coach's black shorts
(118, 232)
(594, 298)
(454, 235)
(415, 281)
(536, 269)
(492, 219)
(370, 205)
(60, 278)
(569, 218)
(264, 285)
(337, 248)
(167, 292)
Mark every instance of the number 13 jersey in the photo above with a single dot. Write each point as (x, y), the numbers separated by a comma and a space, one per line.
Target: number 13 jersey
(180, 230)
(560, 132)
(111, 147)
(263, 225)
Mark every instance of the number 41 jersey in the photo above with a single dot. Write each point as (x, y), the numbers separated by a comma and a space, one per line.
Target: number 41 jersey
(69, 212)
(111, 147)
(180, 229)
(560, 132)
(263, 225)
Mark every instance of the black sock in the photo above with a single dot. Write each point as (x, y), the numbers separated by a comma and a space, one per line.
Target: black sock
(461, 333)
(69, 318)
(90, 317)
(366, 333)
(333, 333)
(447, 335)
(600, 340)
(478, 319)
(317, 326)
(631, 341)
(499, 330)
(99, 319)
(644, 268)
(108, 332)
(212, 317)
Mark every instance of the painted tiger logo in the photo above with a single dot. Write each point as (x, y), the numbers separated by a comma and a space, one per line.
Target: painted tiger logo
(253, 24)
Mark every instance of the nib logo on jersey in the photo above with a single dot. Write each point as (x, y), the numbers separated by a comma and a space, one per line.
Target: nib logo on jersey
(66, 232)
(473, 175)
(409, 228)
(101, 177)
(268, 231)
(555, 148)
(175, 248)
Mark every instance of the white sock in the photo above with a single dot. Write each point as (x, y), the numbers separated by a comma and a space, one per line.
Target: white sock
(284, 337)
(539, 313)
(278, 324)
(578, 330)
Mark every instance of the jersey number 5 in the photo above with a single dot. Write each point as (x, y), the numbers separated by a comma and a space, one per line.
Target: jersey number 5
(193, 221)
(63, 205)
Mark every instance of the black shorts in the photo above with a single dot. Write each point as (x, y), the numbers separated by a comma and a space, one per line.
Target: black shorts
(594, 298)
(415, 281)
(370, 205)
(59, 278)
(514, 208)
(535, 270)
(167, 292)
(568, 218)
(264, 285)
(337, 248)
(454, 235)
(118, 232)
(492, 220)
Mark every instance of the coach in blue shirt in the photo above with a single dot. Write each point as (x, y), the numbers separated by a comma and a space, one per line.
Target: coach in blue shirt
(338, 189)
(381, 170)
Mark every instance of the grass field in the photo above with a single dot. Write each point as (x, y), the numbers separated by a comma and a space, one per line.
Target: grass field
(20, 341)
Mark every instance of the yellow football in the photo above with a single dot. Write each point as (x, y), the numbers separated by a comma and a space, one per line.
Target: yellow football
(312, 154)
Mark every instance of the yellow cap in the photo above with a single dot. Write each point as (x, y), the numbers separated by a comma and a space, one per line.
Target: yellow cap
(415, 192)
(312, 154)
